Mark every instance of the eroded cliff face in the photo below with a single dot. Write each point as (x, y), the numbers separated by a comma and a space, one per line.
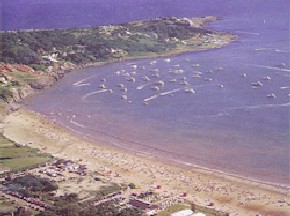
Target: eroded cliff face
(17, 81)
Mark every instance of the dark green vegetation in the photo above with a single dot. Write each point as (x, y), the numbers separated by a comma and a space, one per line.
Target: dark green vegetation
(18, 157)
(105, 190)
(31, 186)
(31, 189)
(131, 185)
(5, 93)
(40, 49)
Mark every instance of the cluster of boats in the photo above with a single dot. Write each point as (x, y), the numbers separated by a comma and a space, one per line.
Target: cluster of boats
(259, 84)
(155, 83)
(153, 80)
(103, 86)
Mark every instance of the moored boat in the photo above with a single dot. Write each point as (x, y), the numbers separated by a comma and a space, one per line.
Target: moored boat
(189, 90)
(208, 79)
(102, 86)
(273, 96)
(257, 84)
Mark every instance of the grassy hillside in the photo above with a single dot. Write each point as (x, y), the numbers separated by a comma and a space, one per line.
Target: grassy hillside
(43, 48)
(18, 157)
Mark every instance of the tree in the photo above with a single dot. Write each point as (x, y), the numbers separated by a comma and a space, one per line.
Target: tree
(97, 179)
(32, 183)
(132, 186)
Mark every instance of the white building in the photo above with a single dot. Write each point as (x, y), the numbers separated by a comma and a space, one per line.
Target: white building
(187, 213)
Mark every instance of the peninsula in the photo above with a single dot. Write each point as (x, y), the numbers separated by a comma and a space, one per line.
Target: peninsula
(34, 59)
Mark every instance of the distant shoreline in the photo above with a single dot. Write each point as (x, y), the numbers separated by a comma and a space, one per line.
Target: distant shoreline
(86, 27)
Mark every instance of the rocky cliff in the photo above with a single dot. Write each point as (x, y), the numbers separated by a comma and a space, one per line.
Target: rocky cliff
(17, 81)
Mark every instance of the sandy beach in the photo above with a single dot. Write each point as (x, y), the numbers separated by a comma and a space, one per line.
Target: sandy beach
(228, 193)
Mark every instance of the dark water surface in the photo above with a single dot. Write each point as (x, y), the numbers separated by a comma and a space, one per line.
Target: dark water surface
(235, 128)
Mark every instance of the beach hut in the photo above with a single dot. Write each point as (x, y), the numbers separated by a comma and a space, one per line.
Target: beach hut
(184, 194)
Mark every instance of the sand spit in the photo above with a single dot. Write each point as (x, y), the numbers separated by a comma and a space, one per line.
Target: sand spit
(236, 195)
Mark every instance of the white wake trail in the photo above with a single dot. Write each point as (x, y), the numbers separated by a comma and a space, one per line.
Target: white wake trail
(82, 80)
(162, 94)
(77, 124)
(269, 67)
(261, 106)
(142, 86)
(85, 84)
(96, 92)
(250, 33)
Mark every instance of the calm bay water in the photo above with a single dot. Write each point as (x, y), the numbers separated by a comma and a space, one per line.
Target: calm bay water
(235, 128)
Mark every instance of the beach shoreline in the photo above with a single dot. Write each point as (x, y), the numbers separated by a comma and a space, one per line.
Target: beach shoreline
(25, 126)
(172, 161)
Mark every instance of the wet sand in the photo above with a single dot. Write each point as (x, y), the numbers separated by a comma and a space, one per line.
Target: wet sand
(236, 195)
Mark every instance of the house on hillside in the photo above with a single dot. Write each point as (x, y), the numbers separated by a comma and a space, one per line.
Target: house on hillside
(3, 80)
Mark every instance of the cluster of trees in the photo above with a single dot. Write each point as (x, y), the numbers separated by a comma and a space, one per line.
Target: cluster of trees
(28, 47)
(92, 44)
(29, 185)
(168, 28)
(105, 190)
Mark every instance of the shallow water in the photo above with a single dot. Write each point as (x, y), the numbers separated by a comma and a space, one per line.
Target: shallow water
(235, 128)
